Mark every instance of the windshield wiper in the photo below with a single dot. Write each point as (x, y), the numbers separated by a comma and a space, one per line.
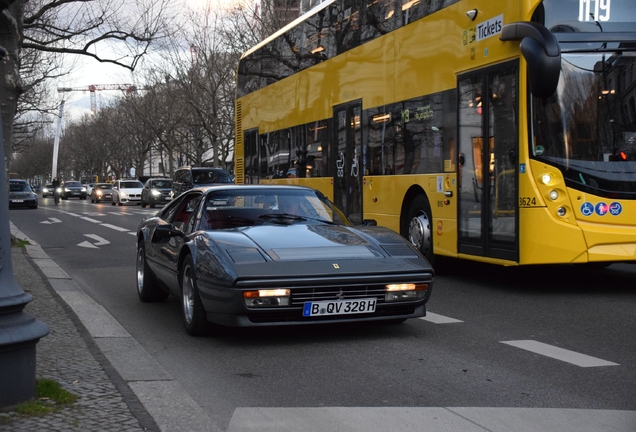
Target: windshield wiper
(281, 216)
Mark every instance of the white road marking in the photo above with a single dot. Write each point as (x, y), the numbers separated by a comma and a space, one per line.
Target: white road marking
(87, 244)
(132, 233)
(554, 352)
(115, 227)
(91, 220)
(100, 240)
(439, 319)
(51, 221)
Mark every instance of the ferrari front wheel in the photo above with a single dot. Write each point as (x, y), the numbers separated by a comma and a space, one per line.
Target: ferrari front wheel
(147, 288)
(194, 319)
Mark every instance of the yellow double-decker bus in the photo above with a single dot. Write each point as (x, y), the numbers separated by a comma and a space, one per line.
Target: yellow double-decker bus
(502, 131)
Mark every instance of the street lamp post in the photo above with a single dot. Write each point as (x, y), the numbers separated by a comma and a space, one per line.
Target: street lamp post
(19, 331)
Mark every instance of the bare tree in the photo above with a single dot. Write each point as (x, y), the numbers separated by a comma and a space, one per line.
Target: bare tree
(125, 29)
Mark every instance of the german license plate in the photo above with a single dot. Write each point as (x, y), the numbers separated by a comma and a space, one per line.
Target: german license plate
(17, 201)
(339, 307)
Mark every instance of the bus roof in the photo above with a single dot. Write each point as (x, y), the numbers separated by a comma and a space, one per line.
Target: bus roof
(289, 26)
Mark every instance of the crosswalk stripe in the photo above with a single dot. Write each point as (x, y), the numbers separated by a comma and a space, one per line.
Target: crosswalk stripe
(557, 353)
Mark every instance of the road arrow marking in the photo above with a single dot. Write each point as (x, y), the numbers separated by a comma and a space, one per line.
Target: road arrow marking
(87, 245)
(100, 241)
(51, 221)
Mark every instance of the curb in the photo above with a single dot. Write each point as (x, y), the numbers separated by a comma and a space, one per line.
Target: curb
(169, 406)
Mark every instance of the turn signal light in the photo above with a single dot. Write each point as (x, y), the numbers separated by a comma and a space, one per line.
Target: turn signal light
(267, 298)
(405, 292)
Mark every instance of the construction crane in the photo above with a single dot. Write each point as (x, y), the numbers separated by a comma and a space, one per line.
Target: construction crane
(93, 88)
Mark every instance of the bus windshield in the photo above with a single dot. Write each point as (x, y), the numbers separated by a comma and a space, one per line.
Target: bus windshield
(588, 127)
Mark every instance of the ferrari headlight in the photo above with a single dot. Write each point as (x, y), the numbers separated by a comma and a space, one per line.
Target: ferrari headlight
(267, 298)
(155, 192)
(405, 292)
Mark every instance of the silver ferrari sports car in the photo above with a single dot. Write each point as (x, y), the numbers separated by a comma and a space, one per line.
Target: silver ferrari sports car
(256, 255)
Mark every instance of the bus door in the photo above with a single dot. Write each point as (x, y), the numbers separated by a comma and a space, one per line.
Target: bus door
(488, 131)
(347, 160)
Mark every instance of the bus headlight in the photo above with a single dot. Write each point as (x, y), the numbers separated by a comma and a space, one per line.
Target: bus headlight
(267, 298)
(554, 195)
(546, 179)
(405, 292)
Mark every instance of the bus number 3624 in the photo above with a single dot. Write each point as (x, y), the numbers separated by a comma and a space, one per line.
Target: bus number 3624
(527, 201)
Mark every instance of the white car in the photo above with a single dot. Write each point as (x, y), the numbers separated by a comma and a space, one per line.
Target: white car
(89, 188)
(127, 192)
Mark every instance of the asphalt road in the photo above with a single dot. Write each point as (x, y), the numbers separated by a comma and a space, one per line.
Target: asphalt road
(535, 337)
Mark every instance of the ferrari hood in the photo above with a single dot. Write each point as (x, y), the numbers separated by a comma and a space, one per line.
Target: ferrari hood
(305, 242)
(300, 242)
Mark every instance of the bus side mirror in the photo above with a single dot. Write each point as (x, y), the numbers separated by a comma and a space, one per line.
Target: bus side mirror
(541, 50)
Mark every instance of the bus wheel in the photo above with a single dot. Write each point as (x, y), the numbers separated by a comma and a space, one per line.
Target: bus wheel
(419, 228)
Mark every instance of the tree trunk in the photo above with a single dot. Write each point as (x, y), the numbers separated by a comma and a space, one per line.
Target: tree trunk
(10, 82)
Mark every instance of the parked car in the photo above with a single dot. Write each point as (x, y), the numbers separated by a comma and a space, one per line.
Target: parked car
(127, 192)
(186, 178)
(102, 192)
(73, 189)
(47, 191)
(260, 255)
(21, 194)
(156, 191)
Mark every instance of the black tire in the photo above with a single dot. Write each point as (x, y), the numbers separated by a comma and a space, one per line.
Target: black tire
(113, 202)
(92, 199)
(96, 200)
(143, 204)
(418, 229)
(147, 287)
(194, 318)
(152, 205)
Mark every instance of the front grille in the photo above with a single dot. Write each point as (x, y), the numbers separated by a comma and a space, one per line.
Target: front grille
(301, 295)
(295, 316)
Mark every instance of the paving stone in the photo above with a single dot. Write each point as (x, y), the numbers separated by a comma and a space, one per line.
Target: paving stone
(69, 356)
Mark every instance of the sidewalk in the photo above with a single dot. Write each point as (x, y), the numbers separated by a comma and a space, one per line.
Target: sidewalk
(69, 356)
(120, 386)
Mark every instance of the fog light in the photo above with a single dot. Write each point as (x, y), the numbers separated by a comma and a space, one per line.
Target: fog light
(561, 211)
(554, 195)
(546, 178)
(266, 298)
(405, 292)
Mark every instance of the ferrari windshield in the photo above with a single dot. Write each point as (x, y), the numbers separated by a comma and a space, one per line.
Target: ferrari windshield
(272, 205)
